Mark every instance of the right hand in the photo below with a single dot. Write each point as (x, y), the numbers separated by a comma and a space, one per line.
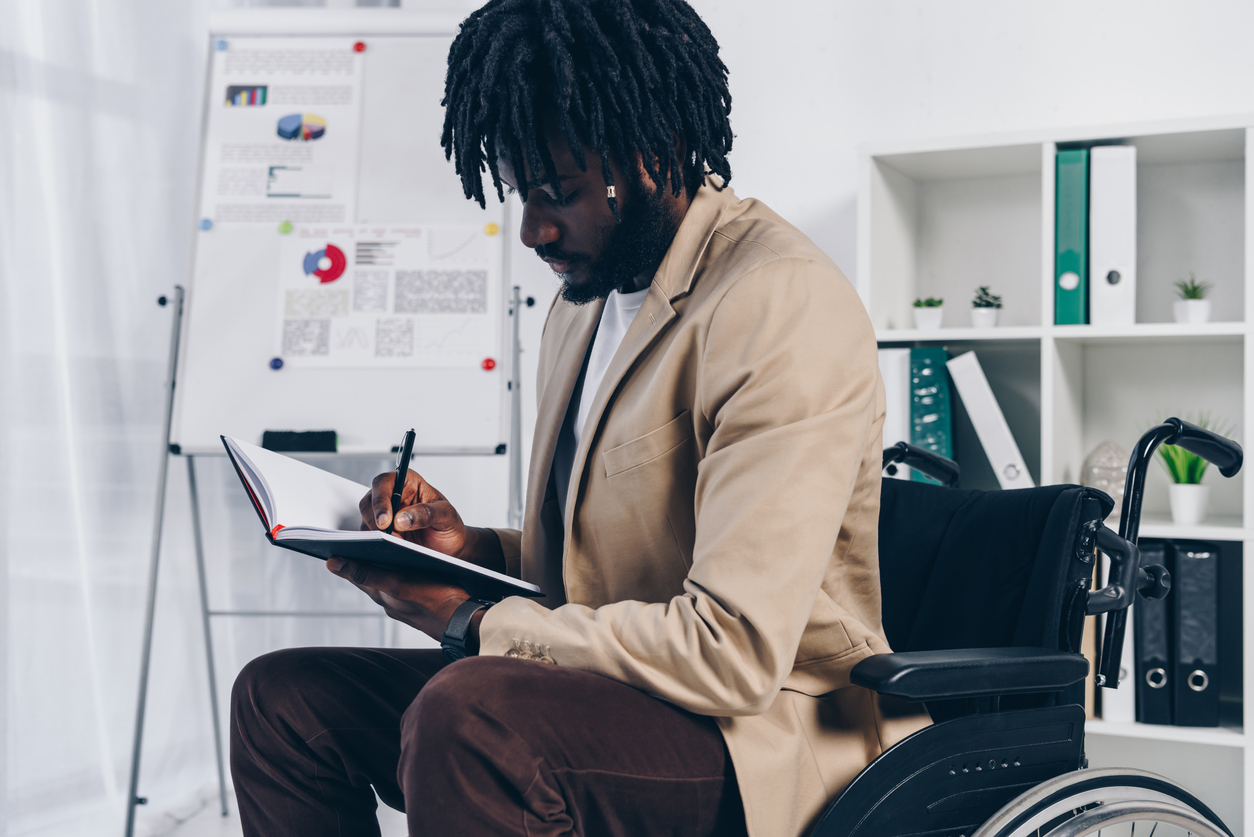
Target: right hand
(426, 517)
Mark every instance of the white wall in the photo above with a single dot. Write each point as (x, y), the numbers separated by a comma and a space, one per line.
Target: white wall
(813, 79)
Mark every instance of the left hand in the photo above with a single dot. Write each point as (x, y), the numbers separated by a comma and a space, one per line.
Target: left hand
(424, 604)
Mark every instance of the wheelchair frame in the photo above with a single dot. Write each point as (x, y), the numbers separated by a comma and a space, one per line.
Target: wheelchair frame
(993, 773)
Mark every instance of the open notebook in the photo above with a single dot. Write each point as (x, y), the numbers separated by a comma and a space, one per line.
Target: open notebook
(309, 510)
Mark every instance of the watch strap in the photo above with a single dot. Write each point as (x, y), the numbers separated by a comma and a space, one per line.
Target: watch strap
(454, 643)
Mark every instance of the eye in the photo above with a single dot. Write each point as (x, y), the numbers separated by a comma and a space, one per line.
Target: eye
(509, 190)
(567, 198)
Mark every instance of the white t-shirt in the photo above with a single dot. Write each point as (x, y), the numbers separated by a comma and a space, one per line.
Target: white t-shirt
(620, 310)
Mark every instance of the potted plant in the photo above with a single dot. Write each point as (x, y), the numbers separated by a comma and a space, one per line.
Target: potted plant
(984, 308)
(1192, 306)
(1187, 494)
(928, 313)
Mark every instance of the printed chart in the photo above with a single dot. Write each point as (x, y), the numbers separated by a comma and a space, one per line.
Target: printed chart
(283, 134)
(376, 296)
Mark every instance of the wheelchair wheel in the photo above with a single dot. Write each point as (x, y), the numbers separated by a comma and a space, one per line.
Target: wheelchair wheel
(1115, 802)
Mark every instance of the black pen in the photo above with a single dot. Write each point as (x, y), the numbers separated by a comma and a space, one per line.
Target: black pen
(403, 454)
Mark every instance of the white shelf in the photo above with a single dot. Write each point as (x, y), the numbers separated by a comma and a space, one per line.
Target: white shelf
(1217, 736)
(955, 335)
(1217, 529)
(938, 218)
(1149, 332)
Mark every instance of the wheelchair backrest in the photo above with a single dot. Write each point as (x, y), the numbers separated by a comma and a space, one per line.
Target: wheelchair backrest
(982, 569)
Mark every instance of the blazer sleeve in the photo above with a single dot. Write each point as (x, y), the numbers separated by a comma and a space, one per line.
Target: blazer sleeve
(511, 548)
(789, 395)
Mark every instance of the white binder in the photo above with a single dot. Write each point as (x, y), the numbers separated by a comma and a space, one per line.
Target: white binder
(990, 423)
(1112, 235)
(895, 370)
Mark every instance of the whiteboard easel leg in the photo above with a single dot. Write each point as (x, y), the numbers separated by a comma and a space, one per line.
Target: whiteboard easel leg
(132, 798)
(204, 615)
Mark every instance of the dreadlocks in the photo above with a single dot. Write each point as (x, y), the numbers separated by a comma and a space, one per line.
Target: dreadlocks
(623, 77)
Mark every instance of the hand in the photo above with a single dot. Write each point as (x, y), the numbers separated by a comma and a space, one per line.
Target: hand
(421, 603)
(429, 519)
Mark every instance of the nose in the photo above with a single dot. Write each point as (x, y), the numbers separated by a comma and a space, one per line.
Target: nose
(536, 228)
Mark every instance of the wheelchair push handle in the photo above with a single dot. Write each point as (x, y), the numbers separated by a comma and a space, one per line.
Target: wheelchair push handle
(1223, 453)
(1153, 582)
(944, 471)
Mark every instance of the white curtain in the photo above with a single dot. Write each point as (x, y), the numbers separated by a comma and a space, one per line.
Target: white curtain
(100, 106)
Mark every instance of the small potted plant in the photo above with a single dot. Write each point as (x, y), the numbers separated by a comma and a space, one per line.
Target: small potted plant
(1192, 306)
(928, 313)
(984, 308)
(1186, 469)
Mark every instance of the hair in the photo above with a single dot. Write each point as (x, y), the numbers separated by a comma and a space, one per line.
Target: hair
(625, 78)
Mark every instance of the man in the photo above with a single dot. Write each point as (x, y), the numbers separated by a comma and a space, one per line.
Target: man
(702, 506)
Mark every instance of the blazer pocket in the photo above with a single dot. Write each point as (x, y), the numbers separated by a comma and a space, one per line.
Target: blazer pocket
(649, 446)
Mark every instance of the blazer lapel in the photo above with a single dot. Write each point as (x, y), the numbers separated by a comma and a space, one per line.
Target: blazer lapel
(573, 327)
(673, 279)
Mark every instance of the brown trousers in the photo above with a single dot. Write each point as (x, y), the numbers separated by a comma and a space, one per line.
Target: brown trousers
(488, 745)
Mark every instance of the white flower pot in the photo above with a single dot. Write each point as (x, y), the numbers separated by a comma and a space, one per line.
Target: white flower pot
(1188, 503)
(984, 317)
(1191, 310)
(928, 318)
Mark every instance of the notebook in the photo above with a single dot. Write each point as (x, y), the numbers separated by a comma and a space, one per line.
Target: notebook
(309, 510)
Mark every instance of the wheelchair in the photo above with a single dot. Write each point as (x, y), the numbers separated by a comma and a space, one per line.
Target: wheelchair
(985, 594)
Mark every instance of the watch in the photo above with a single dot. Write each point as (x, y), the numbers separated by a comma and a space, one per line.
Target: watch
(454, 642)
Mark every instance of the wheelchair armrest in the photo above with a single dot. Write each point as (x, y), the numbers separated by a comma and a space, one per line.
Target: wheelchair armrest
(969, 672)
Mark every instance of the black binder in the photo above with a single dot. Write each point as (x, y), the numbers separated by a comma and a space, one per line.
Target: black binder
(1152, 639)
(1194, 602)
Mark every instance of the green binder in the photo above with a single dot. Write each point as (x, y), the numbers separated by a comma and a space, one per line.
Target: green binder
(1071, 238)
(930, 412)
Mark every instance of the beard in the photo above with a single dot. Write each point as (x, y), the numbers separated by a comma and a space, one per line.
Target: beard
(634, 246)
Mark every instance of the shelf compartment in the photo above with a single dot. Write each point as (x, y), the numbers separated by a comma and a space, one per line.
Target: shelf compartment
(942, 223)
(1117, 389)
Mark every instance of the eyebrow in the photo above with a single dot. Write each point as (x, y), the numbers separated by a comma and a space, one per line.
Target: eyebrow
(537, 184)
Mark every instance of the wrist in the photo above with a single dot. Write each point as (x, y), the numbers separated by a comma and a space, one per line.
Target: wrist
(461, 636)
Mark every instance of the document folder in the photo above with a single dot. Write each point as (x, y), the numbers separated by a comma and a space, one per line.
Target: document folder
(1071, 229)
(1153, 646)
(989, 421)
(1195, 607)
(1112, 235)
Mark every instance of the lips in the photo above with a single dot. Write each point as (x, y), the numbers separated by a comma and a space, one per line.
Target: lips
(558, 267)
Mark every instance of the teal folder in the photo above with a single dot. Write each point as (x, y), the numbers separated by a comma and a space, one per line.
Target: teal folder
(930, 412)
(1071, 238)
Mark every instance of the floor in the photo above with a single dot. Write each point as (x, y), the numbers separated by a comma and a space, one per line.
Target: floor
(208, 822)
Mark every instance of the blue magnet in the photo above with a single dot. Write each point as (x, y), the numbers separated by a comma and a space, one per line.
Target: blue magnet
(220, 45)
(276, 363)
(206, 224)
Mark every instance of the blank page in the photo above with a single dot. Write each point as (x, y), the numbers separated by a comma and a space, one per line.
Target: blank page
(302, 495)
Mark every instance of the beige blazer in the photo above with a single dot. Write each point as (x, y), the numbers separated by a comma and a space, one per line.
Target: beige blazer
(719, 549)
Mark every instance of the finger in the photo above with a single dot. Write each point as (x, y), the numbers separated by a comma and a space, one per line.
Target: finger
(381, 500)
(439, 515)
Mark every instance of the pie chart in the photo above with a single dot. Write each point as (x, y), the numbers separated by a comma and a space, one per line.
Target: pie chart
(302, 127)
(327, 264)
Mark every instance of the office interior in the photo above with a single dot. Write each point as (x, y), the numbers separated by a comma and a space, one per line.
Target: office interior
(103, 109)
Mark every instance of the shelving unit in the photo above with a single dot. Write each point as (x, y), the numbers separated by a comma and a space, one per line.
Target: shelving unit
(940, 218)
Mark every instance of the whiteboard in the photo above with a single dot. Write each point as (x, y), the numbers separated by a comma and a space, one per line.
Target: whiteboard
(388, 174)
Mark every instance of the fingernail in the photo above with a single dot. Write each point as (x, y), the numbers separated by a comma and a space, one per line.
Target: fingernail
(404, 520)
(335, 564)
(381, 521)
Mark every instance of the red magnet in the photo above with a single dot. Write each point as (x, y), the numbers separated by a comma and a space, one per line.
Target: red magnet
(488, 364)
(360, 46)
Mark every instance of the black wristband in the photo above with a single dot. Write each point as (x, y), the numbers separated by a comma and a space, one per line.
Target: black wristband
(454, 642)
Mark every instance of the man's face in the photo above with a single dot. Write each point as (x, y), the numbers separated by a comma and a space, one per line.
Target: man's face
(578, 237)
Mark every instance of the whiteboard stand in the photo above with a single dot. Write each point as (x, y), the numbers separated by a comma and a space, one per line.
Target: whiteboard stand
(515, 424)
(514, 516)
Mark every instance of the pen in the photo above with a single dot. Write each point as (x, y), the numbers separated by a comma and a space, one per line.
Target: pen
(403, 454)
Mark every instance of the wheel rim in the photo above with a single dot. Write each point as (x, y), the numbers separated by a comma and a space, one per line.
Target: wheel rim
(1071, 791)
(1134, 811)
